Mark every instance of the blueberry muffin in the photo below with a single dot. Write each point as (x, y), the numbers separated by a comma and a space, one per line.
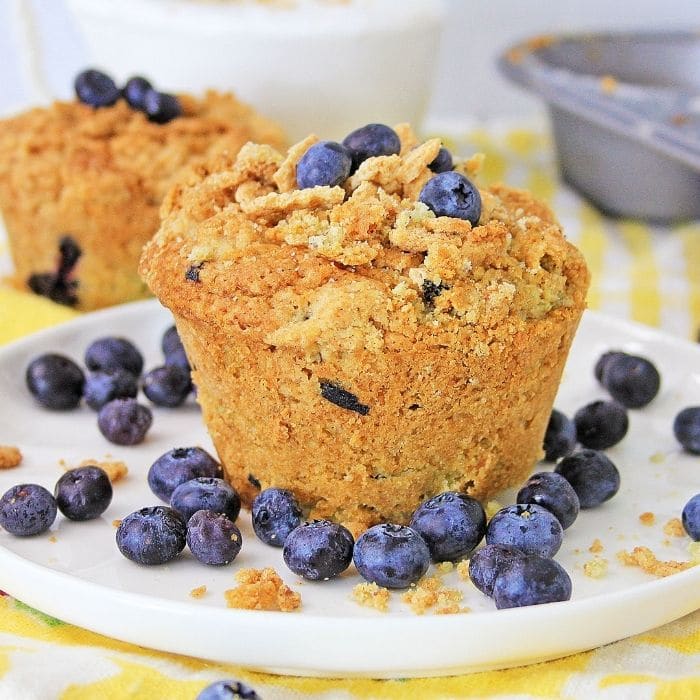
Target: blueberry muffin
(80, 187)
(364, 331)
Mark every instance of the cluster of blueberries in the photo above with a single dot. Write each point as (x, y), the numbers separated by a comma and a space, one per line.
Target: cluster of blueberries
(112, 383)
(632, 382)
(80, 494)
(97, 89)
(329, 164)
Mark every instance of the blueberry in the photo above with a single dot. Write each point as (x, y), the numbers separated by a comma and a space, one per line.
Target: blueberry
(206, 493)
(370, 141)
(602, 363)
(691, 517)
(152, 536)
(560, 437)
(95, 88)
(686, 428)
(110, 353)
(160, 107)
(171, 342)
(325, 163)
(451, 194)
(83, 493)
(553, 492)
(103, 387)
(318, 550)
(393, 556)
(167, 386)
(55, 381)
(124, 421)
(135, 90)
(451, 524)
(527, 526)
(601, 424)
(27, 509)
(531, 580)
(179, 465)
(592, 475)
(213, 538)
(486, 563)
(178, 358)
(228, 690)
(442, 162)
(631, 380)
(275, 514)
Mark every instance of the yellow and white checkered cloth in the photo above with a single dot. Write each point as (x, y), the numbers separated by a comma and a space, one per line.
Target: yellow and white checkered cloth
(647, 273)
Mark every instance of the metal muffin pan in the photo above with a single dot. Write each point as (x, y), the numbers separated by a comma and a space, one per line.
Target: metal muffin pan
(625, 114)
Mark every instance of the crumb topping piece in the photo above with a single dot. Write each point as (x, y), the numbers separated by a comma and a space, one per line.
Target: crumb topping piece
(596, 546)
(674, 528)
(647, 519)
(596, 567)
(352, 267)
(115, 469)
(198, 592)
(262, 589)
(10, 457)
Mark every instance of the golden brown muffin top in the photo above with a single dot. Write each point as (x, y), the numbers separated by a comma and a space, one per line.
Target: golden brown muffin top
(68, 141)
(336, 269)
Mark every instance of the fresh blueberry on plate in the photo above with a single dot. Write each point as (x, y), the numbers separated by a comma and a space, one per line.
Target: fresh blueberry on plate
(213, 538)
(105, 354)
(452, 525)
(686, 428)
(392, 556)
(553, 492)
(177, 466)
(601, 424)
(124, 421)
(531, 580)
(206, 493)
(152, 536)
(55, 381)
(167, 386)
(527, 526)
(691, 517)
(486, 563)
(318, 550)
(103, 387)
(326, 163)
(26, 510)
(451, 194)
(275, 513)
(83, 493)
(631, 380)
(592, 475)
(228, 690)
(560, 437)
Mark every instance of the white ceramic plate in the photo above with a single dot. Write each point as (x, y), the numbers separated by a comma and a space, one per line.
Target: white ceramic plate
(81, 577)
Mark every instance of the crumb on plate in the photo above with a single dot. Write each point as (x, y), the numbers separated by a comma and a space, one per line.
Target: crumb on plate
(371, 596)
(114, 469)
(674, 528)
(444, 567)
(430, 592)
(198, 592)
(262, 589)
(463, 570)
(596, 546)
(116, 523)
(10, 457)
(608, 84)
(647, 561)
(596, 567)
(647, 518)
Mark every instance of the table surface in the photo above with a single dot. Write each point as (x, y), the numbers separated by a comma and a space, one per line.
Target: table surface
(649, 274)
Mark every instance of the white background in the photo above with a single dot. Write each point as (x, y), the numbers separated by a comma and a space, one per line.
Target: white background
(467, 85)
